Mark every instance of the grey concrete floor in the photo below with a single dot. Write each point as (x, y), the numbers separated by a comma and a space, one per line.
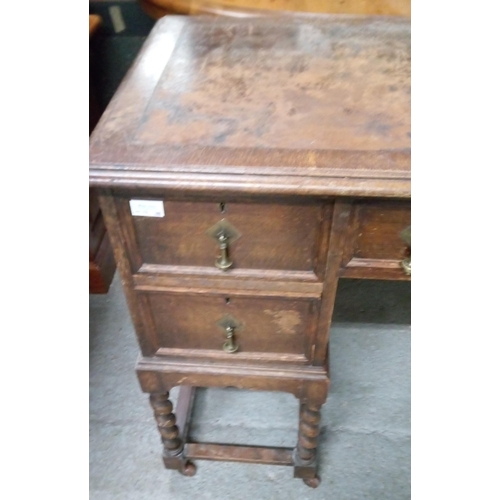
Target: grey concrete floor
(365, 430)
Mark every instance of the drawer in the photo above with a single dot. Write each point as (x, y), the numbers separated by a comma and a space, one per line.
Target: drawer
(266, 329)
(262, 236)
(375, 248)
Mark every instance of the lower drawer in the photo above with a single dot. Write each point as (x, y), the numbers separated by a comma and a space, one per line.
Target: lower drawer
(267, 329)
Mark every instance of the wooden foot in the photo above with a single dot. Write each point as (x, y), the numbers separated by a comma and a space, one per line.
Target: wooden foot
(312, 482)
(189, 469)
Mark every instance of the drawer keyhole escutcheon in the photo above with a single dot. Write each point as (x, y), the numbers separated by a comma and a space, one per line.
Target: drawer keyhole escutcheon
(224, 233)
(406, 263)
(229, 325)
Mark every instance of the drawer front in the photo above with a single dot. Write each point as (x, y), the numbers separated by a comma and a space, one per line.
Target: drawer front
(376, 247)
(194, 325)
(268, 236)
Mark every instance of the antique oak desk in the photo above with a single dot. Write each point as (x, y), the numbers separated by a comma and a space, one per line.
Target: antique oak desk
(244, 166)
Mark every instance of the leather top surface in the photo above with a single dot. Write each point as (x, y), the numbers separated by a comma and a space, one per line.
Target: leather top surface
(277, 95)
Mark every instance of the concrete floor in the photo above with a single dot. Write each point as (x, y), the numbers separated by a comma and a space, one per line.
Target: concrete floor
(365, 430)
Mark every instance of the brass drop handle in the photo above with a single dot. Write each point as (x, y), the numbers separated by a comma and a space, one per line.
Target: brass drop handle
(406, 263)
(224, 233)
(223, 262)
(230, 345)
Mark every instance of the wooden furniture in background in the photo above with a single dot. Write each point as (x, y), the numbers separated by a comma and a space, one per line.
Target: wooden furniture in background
(94, 108)
(243, 167)
(240, 8)
(94, 23)
(101, 262)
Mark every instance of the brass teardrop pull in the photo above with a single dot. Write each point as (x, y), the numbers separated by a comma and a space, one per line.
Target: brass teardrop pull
(230, 344)
(406, 263)
(225, 234)
(230, 324)
(223, 261)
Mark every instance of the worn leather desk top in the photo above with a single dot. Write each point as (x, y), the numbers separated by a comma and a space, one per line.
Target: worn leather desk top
(307, 104)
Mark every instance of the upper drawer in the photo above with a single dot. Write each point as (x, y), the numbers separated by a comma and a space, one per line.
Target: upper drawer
(375, 248)
(261, 236)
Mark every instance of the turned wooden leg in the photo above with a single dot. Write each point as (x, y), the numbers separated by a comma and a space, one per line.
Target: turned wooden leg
(305, 453)
(308, 433)
(165, 420)
(170, 436)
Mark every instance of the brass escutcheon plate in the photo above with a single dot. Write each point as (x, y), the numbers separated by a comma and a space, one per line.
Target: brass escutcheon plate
(405, 235)
(226, 228)
(230, 321)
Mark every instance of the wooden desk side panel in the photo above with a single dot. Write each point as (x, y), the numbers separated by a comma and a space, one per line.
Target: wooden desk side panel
(144, 329)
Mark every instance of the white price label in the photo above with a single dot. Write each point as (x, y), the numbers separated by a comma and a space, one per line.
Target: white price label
(147, 208)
